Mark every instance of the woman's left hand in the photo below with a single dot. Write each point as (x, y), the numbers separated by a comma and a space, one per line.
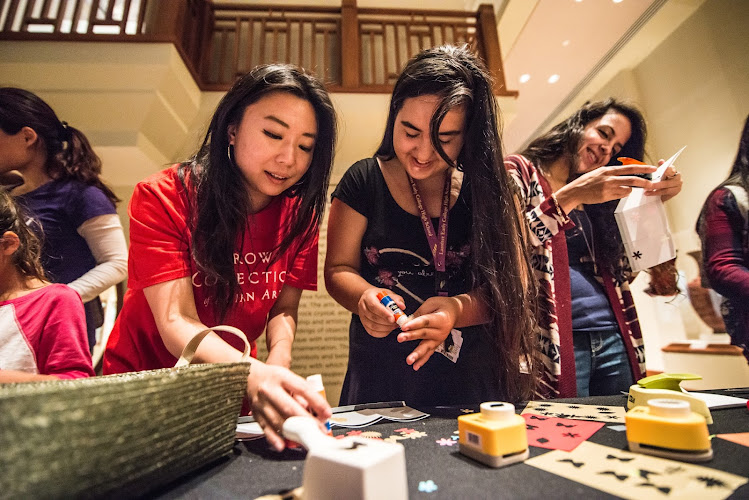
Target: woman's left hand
(669, 185)
(431, 323)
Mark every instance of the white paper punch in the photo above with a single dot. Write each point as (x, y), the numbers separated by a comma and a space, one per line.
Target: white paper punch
(352, 468)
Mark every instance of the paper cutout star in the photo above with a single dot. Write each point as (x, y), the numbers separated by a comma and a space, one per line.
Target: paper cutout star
(427, 486)
(415, 435)
(445, 442)
(404, 430)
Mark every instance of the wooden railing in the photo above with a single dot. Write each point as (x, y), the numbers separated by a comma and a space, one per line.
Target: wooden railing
(73, 17)
(352, 49)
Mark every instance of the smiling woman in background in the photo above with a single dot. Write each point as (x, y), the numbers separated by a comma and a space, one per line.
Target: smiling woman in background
(585, 306)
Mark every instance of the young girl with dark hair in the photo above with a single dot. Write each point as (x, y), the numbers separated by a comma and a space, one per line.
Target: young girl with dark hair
(230, 237)
(83, 242)
(432, 221)
(591, 342)
(723, 227)
(42, 325)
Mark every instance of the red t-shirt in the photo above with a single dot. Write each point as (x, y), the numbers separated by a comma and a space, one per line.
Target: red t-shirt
(160, 251)
(45, 332)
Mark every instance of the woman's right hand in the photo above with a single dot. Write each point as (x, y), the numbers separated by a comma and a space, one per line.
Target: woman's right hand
(603, 184)
(377, 319)
(275, 394)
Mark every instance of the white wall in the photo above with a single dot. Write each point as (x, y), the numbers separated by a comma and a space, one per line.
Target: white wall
(694, 90)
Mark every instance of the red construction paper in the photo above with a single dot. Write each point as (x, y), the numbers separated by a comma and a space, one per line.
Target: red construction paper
(558, 433)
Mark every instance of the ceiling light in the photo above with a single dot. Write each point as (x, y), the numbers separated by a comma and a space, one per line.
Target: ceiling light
(524, 77)
(565, 43)
(578, 1)
(554, 78)
(617, 1)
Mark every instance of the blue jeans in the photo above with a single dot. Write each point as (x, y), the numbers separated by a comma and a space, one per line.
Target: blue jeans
(601, 363)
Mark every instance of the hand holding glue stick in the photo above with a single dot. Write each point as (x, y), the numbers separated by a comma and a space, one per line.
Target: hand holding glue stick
(400, 316)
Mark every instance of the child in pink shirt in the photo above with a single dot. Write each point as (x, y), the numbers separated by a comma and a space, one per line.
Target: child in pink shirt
(42, 325)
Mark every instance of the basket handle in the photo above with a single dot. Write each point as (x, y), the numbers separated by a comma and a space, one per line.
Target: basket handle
(189, 351)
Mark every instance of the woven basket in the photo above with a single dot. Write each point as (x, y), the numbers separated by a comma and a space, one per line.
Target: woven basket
(118, 435)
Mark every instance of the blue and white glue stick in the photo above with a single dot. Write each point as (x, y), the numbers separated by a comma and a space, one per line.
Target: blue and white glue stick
(400, 316)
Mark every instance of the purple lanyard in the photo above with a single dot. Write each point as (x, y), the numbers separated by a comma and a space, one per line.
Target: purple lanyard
(437, 243)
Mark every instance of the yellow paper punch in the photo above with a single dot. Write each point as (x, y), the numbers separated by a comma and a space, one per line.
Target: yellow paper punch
(496, 436)
(666, 385)
(668, 428)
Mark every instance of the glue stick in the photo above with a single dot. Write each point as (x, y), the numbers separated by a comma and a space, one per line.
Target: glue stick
(316, 382)
(400, 316)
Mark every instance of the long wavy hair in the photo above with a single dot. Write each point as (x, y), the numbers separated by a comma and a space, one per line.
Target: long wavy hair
(563, 140)
(739, 174)
(14, 218)
(501, 269)
(69, 154)
(220, 202)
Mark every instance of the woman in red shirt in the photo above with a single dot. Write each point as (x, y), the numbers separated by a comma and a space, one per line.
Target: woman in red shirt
(230, 237)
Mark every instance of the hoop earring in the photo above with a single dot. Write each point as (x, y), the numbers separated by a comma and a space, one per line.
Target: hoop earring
(230, 154)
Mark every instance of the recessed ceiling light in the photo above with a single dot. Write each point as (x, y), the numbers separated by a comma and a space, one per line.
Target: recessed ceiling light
(524, 77)
(554, 78)
(617, 1)
(578, 1)
(565, 43)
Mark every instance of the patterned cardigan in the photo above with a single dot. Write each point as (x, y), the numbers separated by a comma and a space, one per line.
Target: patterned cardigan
(547, 222)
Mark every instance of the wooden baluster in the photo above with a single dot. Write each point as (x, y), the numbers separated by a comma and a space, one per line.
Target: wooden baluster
(487, 27)
(372, 62)
(300, 45)
(61, 15)
(313, 45)
(262, 41)
(287, 58)
(398, 59)
(109, 16)
(125, 16)
(385, 45)
(222, 55)
(237, 35)
(142, 17)
(92, 15)
(350, 45)
(250, 44)
(204, 50)
(8, 26)
(27, 15)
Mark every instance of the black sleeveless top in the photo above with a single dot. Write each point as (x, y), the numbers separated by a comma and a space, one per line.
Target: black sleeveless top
(395, 255)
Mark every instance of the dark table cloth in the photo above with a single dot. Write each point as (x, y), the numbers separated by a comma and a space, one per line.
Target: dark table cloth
(253, 469)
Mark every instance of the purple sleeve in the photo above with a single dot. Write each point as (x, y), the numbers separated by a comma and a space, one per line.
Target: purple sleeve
(88, 202)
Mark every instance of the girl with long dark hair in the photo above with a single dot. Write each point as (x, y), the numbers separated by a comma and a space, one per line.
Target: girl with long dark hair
(431, 220)
(83, 242)
(230, 237)
(723, 227)
(591, 342)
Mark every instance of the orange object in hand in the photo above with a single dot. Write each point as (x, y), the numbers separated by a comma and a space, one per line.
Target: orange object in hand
(630, 161)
